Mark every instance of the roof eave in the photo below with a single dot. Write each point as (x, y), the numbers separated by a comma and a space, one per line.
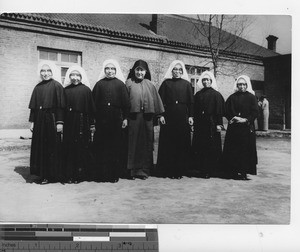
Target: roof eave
(57, 27)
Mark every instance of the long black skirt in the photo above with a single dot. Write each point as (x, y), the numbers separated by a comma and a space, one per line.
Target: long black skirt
(174, 150)
(240, 154)
(207, 149)
(109, 149)
(46, 148)
(78, 158)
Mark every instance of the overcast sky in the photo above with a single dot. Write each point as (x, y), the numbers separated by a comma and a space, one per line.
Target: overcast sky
(277, 25)
(259, 27)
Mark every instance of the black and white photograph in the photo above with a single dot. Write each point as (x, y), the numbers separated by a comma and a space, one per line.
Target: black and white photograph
(143, 116)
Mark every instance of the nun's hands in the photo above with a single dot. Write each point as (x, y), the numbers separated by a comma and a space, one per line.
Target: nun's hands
(191, 121)
(162, 120)
(233, 120)
(31, 126)
(124, 124)
(238, 119)
(59, 128)
(241, 120)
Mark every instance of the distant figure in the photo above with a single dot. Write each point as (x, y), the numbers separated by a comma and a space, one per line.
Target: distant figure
(239, 154)
(264, 113)
(47, 106)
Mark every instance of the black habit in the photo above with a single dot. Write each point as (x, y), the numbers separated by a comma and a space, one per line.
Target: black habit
(239, 154)
(112, 106)
(174, 150)
(46, 106)
(79, 116)
(209, 109)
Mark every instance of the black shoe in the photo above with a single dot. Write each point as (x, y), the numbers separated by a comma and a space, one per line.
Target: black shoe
(176, 177)
(44, 182)
(237, 177)
(131, 177)
(244, 177)
(113, 180)
(142, 177)
(241, 177)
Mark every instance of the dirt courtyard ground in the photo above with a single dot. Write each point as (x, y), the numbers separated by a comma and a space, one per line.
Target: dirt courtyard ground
(265, 199)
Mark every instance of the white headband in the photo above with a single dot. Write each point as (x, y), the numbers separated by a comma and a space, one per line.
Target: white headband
(199, 84)
(249, 86)
(54, 69)
(119, 74)
(84, 78)
(169, 74)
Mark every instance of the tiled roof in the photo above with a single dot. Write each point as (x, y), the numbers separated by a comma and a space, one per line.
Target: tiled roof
(176, 31)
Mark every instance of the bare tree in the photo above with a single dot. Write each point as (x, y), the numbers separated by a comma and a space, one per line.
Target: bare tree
(222, 35)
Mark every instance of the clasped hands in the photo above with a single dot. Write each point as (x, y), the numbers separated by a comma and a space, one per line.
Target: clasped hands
(237, 119)
(162, 120)
(59, 127)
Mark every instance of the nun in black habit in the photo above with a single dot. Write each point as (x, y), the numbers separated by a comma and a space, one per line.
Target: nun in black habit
(208, 122)
(79, 125)
(174, 150)
(112, 105)
(145, 105)
(239, 154)
(47, 106)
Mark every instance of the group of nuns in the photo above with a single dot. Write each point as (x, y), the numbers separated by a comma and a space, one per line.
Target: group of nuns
(107, 133)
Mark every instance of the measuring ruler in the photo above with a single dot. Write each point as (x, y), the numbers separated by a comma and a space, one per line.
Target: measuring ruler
(78, 238)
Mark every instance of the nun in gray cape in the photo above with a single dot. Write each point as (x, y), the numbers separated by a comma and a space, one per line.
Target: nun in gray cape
(145, 105)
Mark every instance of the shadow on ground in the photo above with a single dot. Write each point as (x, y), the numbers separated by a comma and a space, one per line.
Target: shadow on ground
(24, 171)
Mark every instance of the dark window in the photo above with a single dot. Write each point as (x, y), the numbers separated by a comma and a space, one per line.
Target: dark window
(257, 85)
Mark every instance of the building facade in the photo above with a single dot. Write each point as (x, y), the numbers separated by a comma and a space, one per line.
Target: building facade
(89, 39)
(278, 90)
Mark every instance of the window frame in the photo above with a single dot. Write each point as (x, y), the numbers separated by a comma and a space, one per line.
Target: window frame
(195, 75)
(59, 63)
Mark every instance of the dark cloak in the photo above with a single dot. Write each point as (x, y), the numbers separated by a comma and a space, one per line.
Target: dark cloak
(79, 116)
(239, 154)
(46, 106)
(209, 109)
(112, 105)
(174, 150)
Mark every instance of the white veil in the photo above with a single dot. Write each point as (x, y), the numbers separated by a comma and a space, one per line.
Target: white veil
(199, 85)
(249, 85)
(84, 78)
(55, 71)
(119, 74)
(169, 74)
